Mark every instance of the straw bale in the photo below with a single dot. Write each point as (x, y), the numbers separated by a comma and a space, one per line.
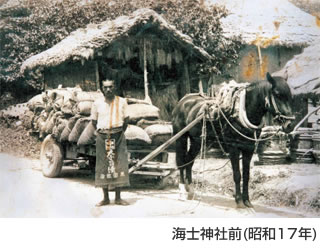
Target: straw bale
(159, 129)
(159, 133)
(52, 121)
(136, 135)
(78, 129)
(67, 130)
(68, 106)
(142, 111)
(48, 120)
(58, 128)
(88, 136)
(84, 108)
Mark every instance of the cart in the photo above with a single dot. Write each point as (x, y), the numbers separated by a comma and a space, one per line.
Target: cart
(151, 162)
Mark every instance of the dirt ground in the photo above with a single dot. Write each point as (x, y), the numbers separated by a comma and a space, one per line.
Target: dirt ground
(295, 186)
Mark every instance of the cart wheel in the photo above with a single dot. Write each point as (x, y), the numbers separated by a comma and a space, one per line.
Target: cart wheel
(51, 157)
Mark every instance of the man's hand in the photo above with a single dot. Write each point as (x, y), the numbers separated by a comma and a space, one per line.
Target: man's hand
(125, 124)
(94, 123)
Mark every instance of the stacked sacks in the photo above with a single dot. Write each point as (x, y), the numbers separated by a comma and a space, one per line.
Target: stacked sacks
(65, 112)
(62, 112)
(136, 136)
(145, 127)
(139, 110)
(159, 133)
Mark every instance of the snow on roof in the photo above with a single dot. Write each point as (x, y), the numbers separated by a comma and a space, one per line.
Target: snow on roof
(303, 71)
(270, 22)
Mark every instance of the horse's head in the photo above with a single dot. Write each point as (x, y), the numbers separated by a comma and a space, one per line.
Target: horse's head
(280, 101)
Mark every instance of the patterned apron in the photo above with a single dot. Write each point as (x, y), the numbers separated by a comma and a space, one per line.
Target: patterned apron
(111, 157)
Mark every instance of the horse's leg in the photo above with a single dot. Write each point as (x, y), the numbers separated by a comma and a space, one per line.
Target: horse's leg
(234, 157)
(181, 152)
(192, 154)
(246, 159)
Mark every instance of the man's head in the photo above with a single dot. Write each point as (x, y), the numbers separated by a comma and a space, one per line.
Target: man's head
(108, 89)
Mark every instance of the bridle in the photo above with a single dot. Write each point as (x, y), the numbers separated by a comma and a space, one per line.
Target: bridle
(277, 114)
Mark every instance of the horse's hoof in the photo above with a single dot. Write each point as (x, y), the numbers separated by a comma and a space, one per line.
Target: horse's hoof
(182, 188)
(190, 190)
(191, 195)
(247, 203)
(240, 204)
(183, 195)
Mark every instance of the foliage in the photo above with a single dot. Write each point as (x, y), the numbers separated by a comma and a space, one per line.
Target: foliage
(40, 24)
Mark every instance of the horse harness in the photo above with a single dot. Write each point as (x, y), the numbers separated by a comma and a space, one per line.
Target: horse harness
(239, 100)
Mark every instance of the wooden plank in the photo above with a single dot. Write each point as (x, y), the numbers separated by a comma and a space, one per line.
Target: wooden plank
(165, 173)
(159, 166)
(166, 144)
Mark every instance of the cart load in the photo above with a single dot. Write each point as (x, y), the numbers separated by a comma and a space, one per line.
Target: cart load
(61, 117)
(65, 113)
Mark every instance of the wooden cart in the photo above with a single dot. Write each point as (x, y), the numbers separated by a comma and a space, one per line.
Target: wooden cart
(146, 161)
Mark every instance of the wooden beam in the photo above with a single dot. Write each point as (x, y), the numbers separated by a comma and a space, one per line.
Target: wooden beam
(159, 149)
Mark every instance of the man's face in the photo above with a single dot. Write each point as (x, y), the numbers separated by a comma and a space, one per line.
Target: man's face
(108, 89)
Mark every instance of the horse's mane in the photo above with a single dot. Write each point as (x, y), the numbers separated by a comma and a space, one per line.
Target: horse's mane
(263, 87)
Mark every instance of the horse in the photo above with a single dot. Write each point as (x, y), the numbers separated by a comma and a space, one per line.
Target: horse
(235, 129)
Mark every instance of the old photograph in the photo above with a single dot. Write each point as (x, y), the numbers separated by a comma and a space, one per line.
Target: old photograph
(160, 109)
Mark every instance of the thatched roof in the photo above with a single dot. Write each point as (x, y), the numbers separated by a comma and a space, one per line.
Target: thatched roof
(303, 71)
(85, 44)
(272, 22)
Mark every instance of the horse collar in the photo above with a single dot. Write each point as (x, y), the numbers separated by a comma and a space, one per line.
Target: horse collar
(243, 114)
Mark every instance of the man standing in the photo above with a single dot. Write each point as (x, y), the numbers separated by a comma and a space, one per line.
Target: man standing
(109, 115)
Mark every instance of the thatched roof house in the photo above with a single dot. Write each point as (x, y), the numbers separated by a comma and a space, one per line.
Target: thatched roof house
(273, 31)
(115, 39)
(141, 52)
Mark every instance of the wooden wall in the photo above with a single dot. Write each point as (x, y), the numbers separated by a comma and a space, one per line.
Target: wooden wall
(72, 74)
(248, 68)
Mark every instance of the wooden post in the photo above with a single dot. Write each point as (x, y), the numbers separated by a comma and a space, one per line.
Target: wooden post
(186, 78)
(97, 74)
(146, 90)
(200, 86)
(159, 149)
(260, 61)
